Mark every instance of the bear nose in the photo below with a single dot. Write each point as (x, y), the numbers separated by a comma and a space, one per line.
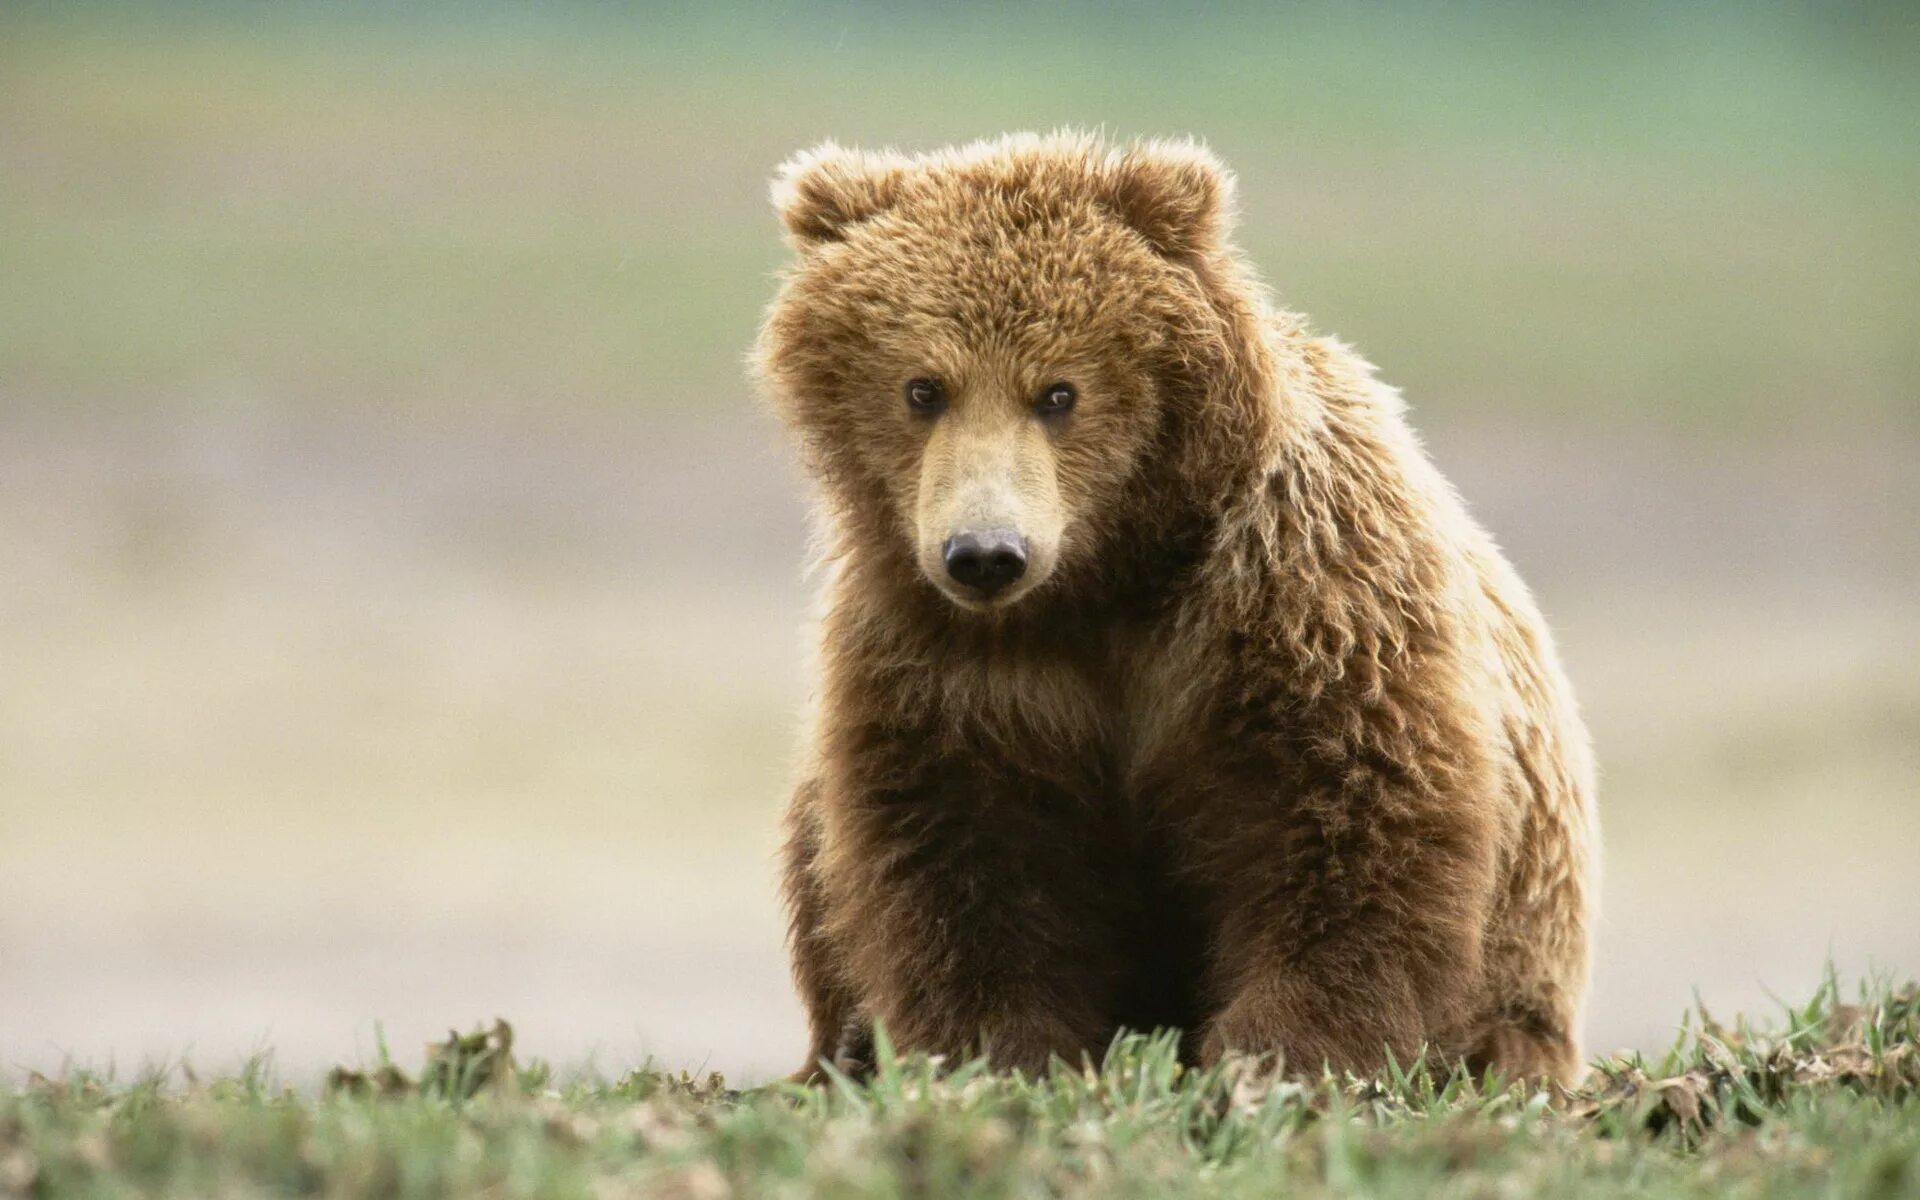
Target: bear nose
(985, 561)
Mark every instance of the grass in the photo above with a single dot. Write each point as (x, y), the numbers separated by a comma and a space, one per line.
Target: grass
(1823, 1101)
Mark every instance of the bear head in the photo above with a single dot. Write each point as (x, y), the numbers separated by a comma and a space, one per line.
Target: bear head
(995, 357)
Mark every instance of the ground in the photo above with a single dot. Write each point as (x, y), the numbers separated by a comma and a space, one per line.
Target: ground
(1823, 1101)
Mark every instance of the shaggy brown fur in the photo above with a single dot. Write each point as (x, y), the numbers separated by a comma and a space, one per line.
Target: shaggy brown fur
(1270, 745)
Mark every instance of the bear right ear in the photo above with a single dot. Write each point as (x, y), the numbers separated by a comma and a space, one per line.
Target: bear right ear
(820, 192)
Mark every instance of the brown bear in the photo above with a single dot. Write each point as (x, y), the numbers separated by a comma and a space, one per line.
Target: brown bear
(1165, 682)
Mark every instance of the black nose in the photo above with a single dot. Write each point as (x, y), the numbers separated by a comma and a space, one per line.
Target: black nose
(987, 561)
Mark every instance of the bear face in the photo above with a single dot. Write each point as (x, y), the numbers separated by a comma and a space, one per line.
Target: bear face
(985, 351)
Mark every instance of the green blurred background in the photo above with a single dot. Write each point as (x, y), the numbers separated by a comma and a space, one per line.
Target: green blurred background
(401, 612)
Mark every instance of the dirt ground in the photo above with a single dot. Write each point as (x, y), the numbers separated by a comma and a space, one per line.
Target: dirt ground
(313, 728)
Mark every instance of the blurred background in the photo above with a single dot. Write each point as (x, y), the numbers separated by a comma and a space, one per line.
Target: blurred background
(401, 604)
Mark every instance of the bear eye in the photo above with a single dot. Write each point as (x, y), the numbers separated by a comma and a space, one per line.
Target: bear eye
(926, 395)
(1055, 398)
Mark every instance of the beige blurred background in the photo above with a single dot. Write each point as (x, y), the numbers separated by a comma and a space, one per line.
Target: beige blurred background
(401, 613)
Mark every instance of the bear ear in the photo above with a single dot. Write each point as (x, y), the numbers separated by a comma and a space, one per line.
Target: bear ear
(1177, 195)
(820, 192)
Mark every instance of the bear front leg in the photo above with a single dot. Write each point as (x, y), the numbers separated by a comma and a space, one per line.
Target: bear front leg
(971, 911)
(818, 972)
(1350, 910)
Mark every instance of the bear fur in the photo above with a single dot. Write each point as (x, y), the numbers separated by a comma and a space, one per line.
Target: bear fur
(1277, 753)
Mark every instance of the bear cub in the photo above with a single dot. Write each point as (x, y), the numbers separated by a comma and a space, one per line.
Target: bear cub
(1164, 681)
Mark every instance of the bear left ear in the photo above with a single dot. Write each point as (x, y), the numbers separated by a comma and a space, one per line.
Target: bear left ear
(1177, 195)
(820, 192)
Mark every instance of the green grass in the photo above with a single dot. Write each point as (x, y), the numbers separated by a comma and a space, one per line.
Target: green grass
(1825, 1101)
